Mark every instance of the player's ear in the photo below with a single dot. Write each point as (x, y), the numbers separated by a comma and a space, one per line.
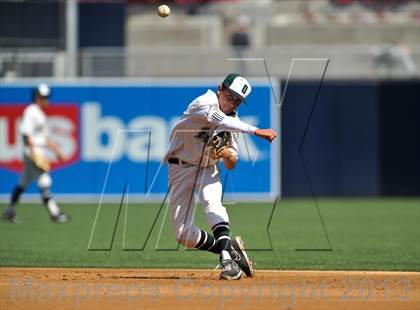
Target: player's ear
(220, 87)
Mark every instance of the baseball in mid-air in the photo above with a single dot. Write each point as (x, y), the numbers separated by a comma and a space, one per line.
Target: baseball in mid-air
(163, 10)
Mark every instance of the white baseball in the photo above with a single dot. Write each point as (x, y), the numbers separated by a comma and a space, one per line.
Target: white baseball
(163, 10)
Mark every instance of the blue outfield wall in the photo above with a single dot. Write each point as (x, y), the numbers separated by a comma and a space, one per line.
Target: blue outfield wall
(363, 138)
(340, 150)
(106, 129)
(399, 115)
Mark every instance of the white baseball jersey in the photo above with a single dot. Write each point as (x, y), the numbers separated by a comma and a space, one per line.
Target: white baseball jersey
(187, 143)
(34, 125)
(202, 118)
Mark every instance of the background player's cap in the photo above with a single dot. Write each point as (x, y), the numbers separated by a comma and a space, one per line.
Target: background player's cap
(42, 90)
(237, 85)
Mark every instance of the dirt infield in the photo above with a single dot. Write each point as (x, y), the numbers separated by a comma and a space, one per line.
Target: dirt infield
(51, 288)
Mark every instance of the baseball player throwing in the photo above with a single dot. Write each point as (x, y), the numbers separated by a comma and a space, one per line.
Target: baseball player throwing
(36, 163)
(196, 147)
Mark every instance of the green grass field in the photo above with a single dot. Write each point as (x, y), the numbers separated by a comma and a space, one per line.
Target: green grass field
(365, 234)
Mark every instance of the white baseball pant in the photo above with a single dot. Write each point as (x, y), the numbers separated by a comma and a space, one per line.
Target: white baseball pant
(185, 181)
(31, 172)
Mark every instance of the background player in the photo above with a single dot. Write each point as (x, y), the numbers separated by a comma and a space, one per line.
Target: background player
(35, 161)
(192, 169)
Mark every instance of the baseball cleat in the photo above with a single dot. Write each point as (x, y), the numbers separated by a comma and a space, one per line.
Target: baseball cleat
(10, 215)
(61, 218)
(230, 270)
(240, 256)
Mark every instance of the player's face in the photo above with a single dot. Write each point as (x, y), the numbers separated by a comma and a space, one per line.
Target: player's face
(42, 101)
(227, 101)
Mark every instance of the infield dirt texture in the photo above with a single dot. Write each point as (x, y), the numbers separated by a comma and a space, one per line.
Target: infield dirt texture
(31, 288)
(375, 244)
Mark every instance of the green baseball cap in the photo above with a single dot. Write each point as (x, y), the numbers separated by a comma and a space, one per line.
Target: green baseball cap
(237, 85)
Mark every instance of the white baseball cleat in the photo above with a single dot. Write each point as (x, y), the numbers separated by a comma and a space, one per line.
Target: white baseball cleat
(61, 218)
(230, 270)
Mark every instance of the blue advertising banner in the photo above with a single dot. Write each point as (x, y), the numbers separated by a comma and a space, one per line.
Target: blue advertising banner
(113, 134)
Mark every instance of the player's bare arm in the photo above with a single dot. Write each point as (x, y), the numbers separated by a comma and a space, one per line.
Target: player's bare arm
(266, 134)
(229, 160)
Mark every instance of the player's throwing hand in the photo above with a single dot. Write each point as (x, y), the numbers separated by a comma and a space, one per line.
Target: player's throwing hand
(266, 134)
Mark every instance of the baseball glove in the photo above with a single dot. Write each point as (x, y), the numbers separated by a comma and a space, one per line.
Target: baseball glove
(218, 143)
(41, 162)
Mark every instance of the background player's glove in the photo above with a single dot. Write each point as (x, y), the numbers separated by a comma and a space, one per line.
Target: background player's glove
(218, 143)
(41, 162)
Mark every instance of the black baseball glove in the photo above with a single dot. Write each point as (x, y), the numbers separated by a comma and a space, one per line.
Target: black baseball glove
(218, 143)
